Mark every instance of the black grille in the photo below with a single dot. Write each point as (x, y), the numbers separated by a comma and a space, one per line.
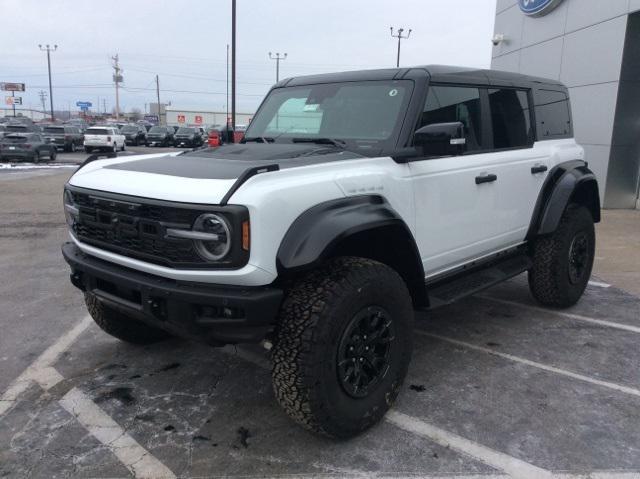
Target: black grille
(136, 229)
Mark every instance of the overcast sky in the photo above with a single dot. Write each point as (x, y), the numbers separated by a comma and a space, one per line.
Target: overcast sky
(184, 41)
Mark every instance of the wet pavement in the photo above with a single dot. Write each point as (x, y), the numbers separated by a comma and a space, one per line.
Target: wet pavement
(498, 386)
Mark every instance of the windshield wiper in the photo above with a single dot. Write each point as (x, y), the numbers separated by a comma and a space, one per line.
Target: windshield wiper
(258, 139)
(321, 141)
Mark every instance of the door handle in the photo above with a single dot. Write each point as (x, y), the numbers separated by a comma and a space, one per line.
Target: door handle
(486, 178)
(538, 169)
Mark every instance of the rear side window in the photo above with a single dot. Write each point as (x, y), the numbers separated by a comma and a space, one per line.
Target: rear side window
(510, 118)
(552, 114)
(447, 104)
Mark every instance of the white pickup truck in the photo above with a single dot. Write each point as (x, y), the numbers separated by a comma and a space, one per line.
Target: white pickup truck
(103, 138)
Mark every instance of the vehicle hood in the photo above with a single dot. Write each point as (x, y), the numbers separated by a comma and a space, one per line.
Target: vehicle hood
(202, 176)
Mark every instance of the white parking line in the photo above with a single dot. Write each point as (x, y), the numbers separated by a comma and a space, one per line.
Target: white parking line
(40, 370)
(599, 322)
(512, 466)
(134, 457)
(545, 367)
(599, 284)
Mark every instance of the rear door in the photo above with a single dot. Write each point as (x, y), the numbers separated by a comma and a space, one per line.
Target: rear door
(472, 205)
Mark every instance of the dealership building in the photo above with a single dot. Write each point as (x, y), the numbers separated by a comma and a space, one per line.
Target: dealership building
(593, 47)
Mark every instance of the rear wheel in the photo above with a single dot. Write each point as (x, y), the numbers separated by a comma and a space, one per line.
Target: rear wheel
(114, 148)
(53, 155)
(73, 147)
(343, 345)
(562, 261)
(120, 325)
(123, 147)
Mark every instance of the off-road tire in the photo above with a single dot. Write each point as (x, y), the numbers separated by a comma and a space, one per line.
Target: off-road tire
(316, 312)
(120, 325)
(549, 278)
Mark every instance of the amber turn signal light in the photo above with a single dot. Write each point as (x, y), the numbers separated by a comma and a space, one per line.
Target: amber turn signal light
(246, 236)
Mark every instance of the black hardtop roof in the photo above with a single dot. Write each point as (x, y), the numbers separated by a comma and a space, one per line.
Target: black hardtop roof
(438, 73)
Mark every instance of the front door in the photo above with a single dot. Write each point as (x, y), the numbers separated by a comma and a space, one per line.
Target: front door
(478, 203)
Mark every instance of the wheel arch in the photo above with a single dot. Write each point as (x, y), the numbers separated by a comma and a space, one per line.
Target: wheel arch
(569, 182)
(365, 226)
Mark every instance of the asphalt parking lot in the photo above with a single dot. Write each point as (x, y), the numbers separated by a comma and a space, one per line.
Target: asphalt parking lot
(498, 386)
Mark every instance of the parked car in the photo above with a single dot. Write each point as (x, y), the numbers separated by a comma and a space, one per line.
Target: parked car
(353, 200)
(134, 134)
(160, 136)
(67, 137)
(190, 137)
(26, 146)
(103, 138)
(78, 123)
(214, 137)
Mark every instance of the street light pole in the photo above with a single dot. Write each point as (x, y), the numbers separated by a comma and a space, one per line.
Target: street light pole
(400, 37)
(277, 58)
(233, 65)
(47, 48)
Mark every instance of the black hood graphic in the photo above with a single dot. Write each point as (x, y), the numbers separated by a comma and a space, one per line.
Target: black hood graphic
(229, 161)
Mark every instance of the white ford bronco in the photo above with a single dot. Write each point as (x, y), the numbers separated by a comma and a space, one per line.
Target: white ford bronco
(354, 199)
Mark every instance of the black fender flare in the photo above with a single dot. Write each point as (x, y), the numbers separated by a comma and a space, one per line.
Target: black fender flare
(318, 231)
(566, 182)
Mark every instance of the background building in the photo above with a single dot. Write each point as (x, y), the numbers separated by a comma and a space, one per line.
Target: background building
(190, 117)
(593, 46)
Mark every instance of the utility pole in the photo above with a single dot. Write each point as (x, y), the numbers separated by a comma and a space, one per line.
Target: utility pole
(233, 65)
(43, 99)
(117, 79)
(277, 58)
(104, 105)
(158, 95)
(226, 118)
(400, 37)
(49, 49)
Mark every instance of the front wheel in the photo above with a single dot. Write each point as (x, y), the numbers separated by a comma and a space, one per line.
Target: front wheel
(343, 345)
(121, 326)
(53, 155)
(562, 261)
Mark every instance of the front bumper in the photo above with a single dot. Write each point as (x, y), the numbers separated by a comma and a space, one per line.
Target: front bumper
(216, 314)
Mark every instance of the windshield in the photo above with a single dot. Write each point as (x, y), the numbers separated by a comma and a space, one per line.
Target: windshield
(362, 114)
(129, 129)
(158, 129)
(54, 129)
(17, 128)
(186, 131)
(98, 131)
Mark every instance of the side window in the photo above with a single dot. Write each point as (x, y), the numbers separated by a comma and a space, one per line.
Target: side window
(511, 118)
(447, 104)
(552, 114)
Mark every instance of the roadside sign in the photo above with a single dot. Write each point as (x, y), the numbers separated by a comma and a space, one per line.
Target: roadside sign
(84, 105)
(181, 119)
(17, 100)
(8, 100)
(151, 118)
(12, 86)
(198, 120)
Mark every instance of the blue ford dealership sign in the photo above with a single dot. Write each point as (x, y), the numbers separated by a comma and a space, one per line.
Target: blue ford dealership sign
(537, 8)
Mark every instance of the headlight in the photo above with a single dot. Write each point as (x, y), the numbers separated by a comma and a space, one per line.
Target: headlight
(214, 236)
(71, 212)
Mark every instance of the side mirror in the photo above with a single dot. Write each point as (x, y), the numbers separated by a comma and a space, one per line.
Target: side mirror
(440, 139)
